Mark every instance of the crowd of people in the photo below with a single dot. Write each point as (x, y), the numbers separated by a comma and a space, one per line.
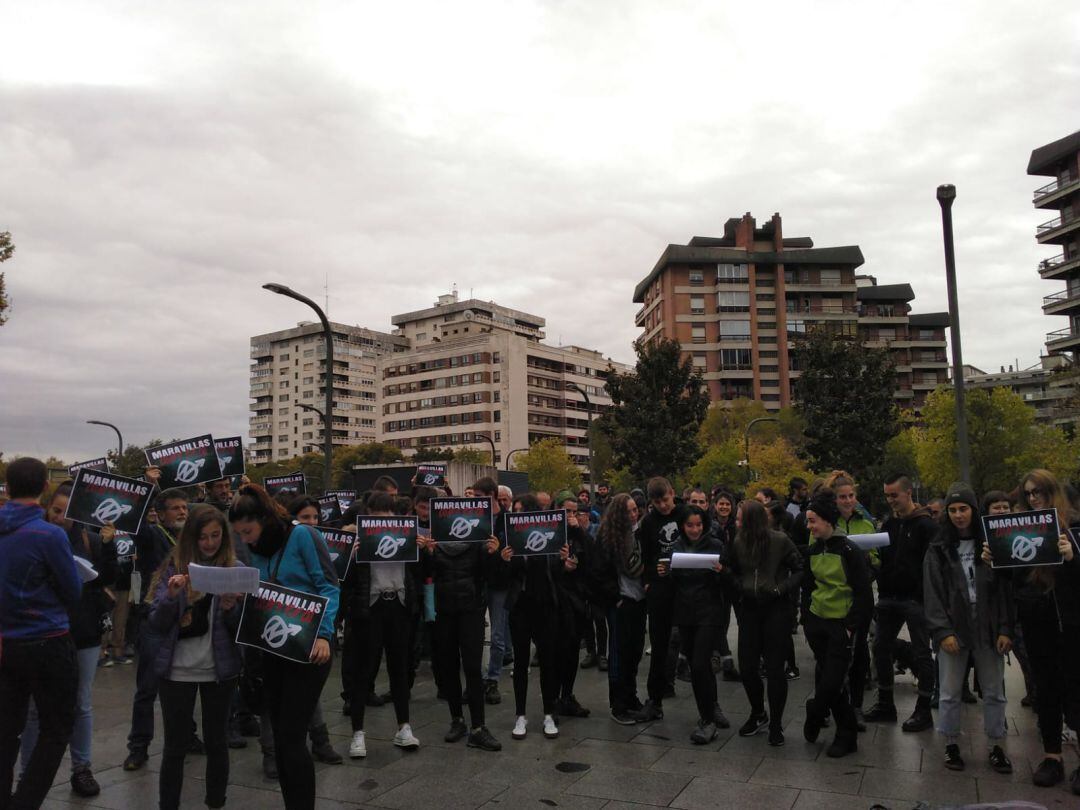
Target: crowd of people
(629, 578)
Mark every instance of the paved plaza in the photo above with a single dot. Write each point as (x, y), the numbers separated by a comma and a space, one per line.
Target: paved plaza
(596, 763)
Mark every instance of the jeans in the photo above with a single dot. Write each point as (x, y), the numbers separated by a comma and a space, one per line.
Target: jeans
(952, 673)
(290, 692)
(459, 645)
(386, 625)
(828, 638)
(698, 643)
(892, 614)
(532, 622)
(177, 710)
(626, 644)
(763, 633)
(83, 730)
(47, 671)
(500, 621)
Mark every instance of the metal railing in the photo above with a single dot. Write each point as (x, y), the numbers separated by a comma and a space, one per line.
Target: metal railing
(1059, 297)
(1061, 335)
(1052, 187)
(1046, 265)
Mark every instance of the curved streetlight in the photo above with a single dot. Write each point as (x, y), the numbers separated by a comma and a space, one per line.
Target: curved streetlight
(510, 455)
(119, 437)
(328, 413)
(746, 438)
(572, 386)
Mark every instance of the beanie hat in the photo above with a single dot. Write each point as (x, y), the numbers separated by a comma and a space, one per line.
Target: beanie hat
(959, 492)
(824, 506)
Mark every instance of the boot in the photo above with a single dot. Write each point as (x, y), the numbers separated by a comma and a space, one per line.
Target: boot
(321, 748)
(884, 711)
(921, 719)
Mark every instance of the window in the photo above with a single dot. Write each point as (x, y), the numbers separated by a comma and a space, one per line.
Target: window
(886, 333)
(926, 334)
(309, 380)
(830, 276)
(796, 327)
(735, 330)
(735, 359)
(283, 384)
(283, 356)
(697, 305)
(733, 301)
(697, 334)
(699, 360)
(283, 398)
(697, 278)
(498, 396)
(732, 274)
(421, 336)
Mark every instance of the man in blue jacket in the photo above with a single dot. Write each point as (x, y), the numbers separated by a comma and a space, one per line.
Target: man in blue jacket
(39, 584)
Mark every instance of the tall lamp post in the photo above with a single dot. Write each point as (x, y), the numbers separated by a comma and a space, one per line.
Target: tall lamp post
(478, 437)
(572, 386)
(119, 437)
(746, 440)
(945, 196)
(510, 455)
(328, 413)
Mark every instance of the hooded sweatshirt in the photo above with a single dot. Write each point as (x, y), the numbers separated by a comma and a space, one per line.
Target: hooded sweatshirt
(901, 575)
(39, 583)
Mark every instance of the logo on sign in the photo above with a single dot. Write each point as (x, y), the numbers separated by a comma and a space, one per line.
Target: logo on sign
(187, 470)
(1024, 548)
(327, 512)
(389, 546)
(124, 547)
(462, 527)
(109, 510)
(277, 631)
(538, 540)
(430, 479)
(333, 556)
(225, 460)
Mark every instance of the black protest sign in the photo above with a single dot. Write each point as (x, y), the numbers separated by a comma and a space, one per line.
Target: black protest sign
(101, 464)
(464, 519)
(125, 547)
(99, 497)
(291, 484)
(329, 509)
(185, 463)
(1023, 539)
(535, 533)
(230, 453)
(340, 544)
(431, 475)
(386, 539)
(345, 497)
(281, 621)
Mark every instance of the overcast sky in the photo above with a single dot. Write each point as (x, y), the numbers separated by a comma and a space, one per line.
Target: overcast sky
(163, 160)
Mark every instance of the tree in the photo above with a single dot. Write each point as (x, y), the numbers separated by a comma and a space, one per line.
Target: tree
(773, 463)
(310, 464)
(133, 462)
(728, 420)
(602, 456)
(432, 454)
(7, 248)
(370, 453)
(549, 467)
(473, 455)
(657, 411)
(845, 398)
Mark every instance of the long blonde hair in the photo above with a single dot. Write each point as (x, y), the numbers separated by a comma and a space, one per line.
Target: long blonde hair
(186, 550)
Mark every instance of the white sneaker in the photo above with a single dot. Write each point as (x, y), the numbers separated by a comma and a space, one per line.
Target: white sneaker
(520, 728)
(551, 731)
(357, 748)
(405, 738)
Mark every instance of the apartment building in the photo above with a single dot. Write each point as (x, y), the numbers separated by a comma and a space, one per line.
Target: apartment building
(288, 371)
(1042, 386)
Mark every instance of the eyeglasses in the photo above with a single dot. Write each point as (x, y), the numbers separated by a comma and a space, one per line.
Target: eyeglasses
(1035, 491)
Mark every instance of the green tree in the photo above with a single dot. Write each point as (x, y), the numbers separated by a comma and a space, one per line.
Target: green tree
(473, 455)
(602, 456)
(549, 466)
(432, 454)
(370, 453)
(900, 456)
(133, 462)
(310, 464)
(729, 420)
(658, 410)
(7, 248)
(845, 398)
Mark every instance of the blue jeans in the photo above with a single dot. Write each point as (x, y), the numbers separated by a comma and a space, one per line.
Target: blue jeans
(500, 629)
(990, 669)
(83, 730)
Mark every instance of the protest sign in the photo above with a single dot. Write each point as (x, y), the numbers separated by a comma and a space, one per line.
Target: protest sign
(431, 475)
(230, 453)
(386, 539)
(125, 547)
(281, 621)
(464, 519)
(345, 497)
(535, 533)
(340, 544)
(1023, 539)
(101, 464)
(292, 484)
(99, 497)
(329, 509)
(185, 463)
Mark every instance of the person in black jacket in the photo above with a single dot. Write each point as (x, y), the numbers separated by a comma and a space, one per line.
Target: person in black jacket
(573, 604)
(900, 602)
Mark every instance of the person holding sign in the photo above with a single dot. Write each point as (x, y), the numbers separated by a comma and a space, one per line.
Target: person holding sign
(293, 557)
(698, 613)
(1048, 607)
(196, 655)
(969, 611)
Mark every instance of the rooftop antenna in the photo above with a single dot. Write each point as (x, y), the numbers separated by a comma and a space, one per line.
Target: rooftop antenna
(326, 293)
(470, 292)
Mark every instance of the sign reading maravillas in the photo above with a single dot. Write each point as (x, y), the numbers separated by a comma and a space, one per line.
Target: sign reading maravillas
(329, 509)
(230, 453)
(1023, 539)
(100, 497)
(386, 539)
(101, 464)
(345, 497)
(281, 621)
(461, 519)
(185, 463)
(431, 475)
(293, 483)
(535, 533)
(340, 544)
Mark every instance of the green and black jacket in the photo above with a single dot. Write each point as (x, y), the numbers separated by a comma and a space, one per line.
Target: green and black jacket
(837, 583)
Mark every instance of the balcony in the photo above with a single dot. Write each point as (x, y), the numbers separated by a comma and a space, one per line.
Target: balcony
(1061, 302)
(261, 350)
(1051, 193)
(816, 308)
(1062, 340)
(1057, 228)
(1058, 266)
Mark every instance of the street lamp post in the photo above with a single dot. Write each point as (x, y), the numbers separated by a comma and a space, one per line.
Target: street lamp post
(746, 439)
(484, 437)
(572, 386)
(328, 413)
(510, 455)
(119, 437)
(945, 196)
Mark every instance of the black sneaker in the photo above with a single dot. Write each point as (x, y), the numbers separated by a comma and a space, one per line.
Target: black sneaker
(492, 695)
(953, 760)
(235, 738)
(269, 766)
(375, 700)
(703, 734)
(625, 718)
(754, 724)
(1049, 773)
(842, 747)
(250, 727)
(881, 713)
(650, 711)
(812, 725)
(999, 761)
(720, 719)
(83, 783)
(458, 730)
(776, 737)
(135, 759)
(196, 745)
(484, 740)
(324, 751)
(569, 707)
(920, 720)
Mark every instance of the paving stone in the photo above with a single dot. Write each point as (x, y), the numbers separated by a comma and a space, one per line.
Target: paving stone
(625, 784)
(704, 793)
(704, 762)
(835, 777)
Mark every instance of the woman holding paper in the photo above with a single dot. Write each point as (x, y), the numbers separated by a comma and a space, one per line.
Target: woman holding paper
(197, 655)
(695, 569)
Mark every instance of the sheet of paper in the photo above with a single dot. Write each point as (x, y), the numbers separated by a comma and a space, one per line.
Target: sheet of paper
(216, 579)
(869, 541)
(86, 570)
(681, 559)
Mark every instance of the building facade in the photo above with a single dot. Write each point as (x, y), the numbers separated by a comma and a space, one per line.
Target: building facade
(1042, 386)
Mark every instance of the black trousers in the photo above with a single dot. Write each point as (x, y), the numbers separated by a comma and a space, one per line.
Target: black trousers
(290, 692)
(661, 662)
(626, 644)
(386, 626)
(572, 624)
(829, 640)
(536, 623)
(1054, 653)
(596, 630)
(146, 686)
(177, 709)
(764, 632)
(698, 642)
(892, 614)
(860, 667)
(47, 671)
(459, 645)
